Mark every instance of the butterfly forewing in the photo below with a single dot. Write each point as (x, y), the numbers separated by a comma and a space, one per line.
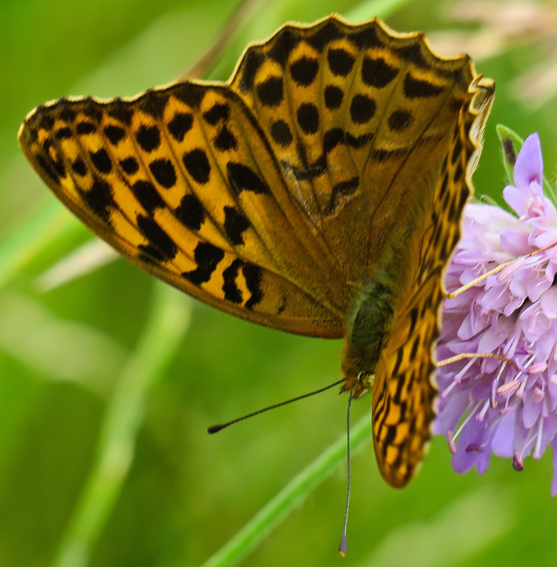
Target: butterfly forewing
(287, 194)
(148, 176)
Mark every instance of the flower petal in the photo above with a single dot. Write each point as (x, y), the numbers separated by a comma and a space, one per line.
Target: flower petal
(515, 241)
(548, 302)
(505, 404)
(529, 163)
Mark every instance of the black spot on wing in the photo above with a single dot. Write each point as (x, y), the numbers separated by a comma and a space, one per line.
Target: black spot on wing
(216, 113)
(46, 121)
(99, 199)
(398, 362)
(253, 59)
(399, 120)
(225, 140)
(284, 43)
(413, 321)
(365, 37)
(312, 171)
(207, 257)
(464, 194)
(197, 164)
(242, 178)
(114, 133)
(456, 151)
(281, 133)
(148, 137)
(377, 72)
(253, 275)
(30, 133)
(340, 62)
(389, 437)
(78, 166)
(157, 238)
(63, 133)
(129, 165)
(190, 212)
(400, 384)
(101, 161)
(164, 173)
(342, 189)
(231, 291)
(91, 110)
(413, 54)
(459, 172)
(416, 88)
(84, 128)
(308, 118)
(332, 138)
(153, 103)
(443, 186)
(326, 33)
(189, 93)
(67, 115)
(47, 167)
(180, 125)
(147, 195)
(415, 347)
(235, 224)
(120, 110)
(270, 91)
(304, 70)
(358, 141)
(362, 109)
(333, 97)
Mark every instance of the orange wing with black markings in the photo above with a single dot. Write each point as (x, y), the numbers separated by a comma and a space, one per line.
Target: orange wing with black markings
(318, 192)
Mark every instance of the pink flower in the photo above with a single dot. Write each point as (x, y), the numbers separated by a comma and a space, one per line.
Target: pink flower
(507, 406)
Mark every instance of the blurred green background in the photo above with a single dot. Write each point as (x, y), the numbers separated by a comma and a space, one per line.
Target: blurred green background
(114, 352)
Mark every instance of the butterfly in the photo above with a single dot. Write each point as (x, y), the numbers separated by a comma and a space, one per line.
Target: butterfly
(319, 191)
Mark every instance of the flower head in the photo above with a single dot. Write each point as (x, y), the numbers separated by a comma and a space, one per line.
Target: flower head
(505, 405)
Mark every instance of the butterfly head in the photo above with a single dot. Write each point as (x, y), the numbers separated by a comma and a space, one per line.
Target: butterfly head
(355, 380)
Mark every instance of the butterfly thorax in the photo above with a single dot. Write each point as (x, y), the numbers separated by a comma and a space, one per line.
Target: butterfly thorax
(370, 329)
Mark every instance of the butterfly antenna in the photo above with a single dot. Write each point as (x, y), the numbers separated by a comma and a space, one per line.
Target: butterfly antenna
(343, 543)
(221, 426)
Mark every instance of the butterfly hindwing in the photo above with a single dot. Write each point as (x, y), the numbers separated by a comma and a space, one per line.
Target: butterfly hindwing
(358, 117)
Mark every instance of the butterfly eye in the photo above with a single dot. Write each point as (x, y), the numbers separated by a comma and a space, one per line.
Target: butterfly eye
(366, 379)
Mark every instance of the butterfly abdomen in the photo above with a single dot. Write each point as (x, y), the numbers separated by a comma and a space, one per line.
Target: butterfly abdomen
(368, 332)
